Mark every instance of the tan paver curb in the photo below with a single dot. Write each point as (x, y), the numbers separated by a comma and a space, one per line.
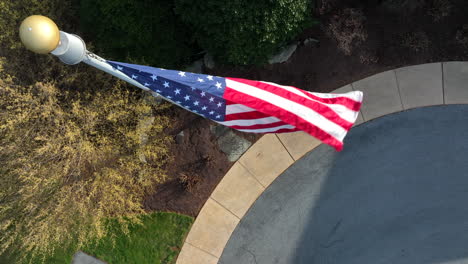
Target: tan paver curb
(384, 93)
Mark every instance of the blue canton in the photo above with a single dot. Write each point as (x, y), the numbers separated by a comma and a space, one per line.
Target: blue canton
(199, 93)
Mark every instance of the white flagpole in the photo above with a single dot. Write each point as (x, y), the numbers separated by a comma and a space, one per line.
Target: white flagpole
(72, 50)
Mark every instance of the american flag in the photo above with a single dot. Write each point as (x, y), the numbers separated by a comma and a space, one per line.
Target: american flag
(253, 106)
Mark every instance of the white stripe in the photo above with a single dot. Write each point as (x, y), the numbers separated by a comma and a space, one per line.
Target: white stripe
(304, 112)
(238, 108)
(251, 122)
(344, 112)
(266, 130)
(353, 95)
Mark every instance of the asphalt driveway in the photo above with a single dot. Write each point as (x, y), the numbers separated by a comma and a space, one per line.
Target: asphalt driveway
(397, 193)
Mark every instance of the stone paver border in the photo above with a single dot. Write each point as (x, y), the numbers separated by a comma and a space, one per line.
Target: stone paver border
(384, 93)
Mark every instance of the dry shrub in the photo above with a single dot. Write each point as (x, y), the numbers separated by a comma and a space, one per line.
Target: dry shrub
(417, 41)
(462, 36)
(347, 28)
(76, 145)
(325, 6)
(13, 12)
(368, 58)
(403, 7)
(26, 66)
(68, 163)
(191, 177)
(189, 181)
(439, 9)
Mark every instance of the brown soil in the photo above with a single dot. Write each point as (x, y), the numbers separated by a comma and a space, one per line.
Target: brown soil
(356, 39)
(197, 168)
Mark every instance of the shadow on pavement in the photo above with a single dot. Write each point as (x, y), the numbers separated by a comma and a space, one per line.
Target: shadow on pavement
(398, 193)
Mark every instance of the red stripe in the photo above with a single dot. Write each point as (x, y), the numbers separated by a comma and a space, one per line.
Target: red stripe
(245, 115)
(341, 100)
(260, 126)
(286, 116)
(323, 110)
(344, 101)
(285, 130)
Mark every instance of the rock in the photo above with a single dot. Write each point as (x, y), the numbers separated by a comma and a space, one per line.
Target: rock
(405, 7)
(233, 145)
(283, 55)
(144, 127)
(196, 67)
(310, 40)
(209, 61)
(230, 143)
(180, 137)
(82, 258)
(157, 98)
(218, 130)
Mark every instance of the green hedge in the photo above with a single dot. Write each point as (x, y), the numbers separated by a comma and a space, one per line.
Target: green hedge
(146, 32)
(244, 31)
(168, 33)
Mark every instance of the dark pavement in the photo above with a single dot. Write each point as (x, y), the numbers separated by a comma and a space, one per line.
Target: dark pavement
(397, 193)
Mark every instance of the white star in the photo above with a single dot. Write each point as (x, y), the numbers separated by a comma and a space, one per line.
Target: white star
(158, 91)
(119, 68)
(182, 74)
(154, 77)
(212, 112)
(210, 77)
(202, 94)
(211, 99)
(169, 97)
(193, 88)
(219, 104)
(204, 108)
(200, 80)
(195, 111)
(166, 84)
(218, 116)
(178, 102)
(177, 91)
(187, 97)
(196, 103)
(147, 84)
(218, 84)
(134, 77)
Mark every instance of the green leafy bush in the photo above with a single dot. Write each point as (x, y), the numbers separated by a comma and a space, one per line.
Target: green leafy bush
(147, 32)
(244, 31)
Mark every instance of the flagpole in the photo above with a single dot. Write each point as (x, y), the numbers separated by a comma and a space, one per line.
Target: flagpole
(41, 35)
(254, 106)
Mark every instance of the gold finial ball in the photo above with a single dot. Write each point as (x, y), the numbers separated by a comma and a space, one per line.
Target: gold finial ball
(39, 34)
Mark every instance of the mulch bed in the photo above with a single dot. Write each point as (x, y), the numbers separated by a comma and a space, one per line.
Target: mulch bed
(356, 39)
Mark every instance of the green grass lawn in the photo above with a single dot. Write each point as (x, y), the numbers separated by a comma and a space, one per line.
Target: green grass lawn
(158, 240)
